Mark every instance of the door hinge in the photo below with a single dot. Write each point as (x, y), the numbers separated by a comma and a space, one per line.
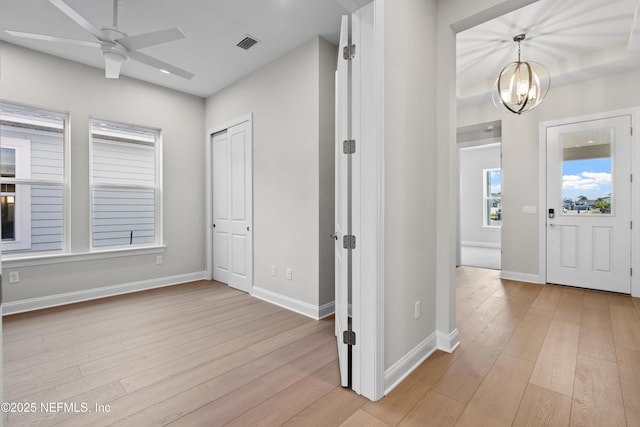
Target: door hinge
(630, 271)
(631, 130)
(349, 146)
(349, 337)
(349, 241)
(631, 225)
(349, 52)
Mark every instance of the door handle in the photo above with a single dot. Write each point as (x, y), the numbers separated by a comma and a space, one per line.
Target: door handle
(551, 225)
(333, 236)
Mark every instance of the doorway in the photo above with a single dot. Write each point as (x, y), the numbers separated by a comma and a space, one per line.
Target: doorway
(588, 204)
(232, 204)
(480, 195)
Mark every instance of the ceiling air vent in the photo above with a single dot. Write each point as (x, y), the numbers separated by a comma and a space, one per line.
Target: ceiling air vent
(247, 42)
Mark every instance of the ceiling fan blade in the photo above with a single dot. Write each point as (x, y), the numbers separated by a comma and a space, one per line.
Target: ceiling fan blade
(111, 68)
(52, 38)
(75, 16)
(160, 65)
(141, 41)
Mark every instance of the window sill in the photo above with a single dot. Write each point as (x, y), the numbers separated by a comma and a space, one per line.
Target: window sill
(33, 260)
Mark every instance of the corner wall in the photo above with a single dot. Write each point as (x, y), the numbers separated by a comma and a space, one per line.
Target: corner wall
(292, 101)
(32, 78)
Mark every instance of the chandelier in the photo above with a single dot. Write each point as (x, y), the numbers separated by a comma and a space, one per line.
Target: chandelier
(521, 86)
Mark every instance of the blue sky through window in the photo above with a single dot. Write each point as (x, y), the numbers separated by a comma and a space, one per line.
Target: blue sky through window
(587, 177)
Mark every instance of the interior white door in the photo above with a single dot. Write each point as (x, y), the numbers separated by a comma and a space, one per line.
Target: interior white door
(342, 268)
(589, 204)
(232, 206)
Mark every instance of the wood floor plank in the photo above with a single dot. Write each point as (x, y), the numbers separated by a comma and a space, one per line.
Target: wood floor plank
(396, 405)
(555, 367)
(597, 396)
(527, 340)
(166, 411)
(548, 297)
(231, 405)
(569, 307)
(542, 407)
(284, 405)
(330, 410)
(626, 326)
(363, 419)
(433, 410)
(629, 370)
(496, 401)
(596, 332)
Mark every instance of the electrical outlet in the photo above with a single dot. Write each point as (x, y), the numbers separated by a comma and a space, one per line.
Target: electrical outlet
(273, 270)
(289, 274)
(14, 277)
(159, 260)
(418, 310)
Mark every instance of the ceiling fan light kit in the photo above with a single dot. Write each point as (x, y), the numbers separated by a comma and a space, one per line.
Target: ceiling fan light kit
(116, 47)
(521, 86)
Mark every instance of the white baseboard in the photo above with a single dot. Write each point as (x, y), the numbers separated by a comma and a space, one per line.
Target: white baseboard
(448, 342)
(304, 308)
(407, 364)
(521, 277)
(481, 244)
(103, 292)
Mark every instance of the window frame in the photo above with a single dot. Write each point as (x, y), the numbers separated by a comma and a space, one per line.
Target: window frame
(8, 112)
(157, 187)
(487, 198)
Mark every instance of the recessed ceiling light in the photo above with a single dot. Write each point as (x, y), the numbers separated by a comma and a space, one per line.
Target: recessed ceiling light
(591, 141)
(164, 71)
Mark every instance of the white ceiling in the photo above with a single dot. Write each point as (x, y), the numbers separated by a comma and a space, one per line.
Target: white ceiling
(213, 28)
(574, 39)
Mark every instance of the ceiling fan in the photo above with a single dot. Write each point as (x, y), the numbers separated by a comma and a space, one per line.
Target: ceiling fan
(115, 45)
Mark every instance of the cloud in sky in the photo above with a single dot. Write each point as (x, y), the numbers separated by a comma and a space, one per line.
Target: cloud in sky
(587, 181)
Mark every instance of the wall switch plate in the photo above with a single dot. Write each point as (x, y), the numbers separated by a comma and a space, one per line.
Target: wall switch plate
(159, 260)
(273, 270)
(417, 310)
(14, 277)
(289, 274)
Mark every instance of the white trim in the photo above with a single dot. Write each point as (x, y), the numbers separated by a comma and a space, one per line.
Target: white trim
(326, 310)
(522, 277)
(103, 292)
(409, 362)
(59, 258)
(448, 341)
(292, 304)
(208, 225)
(481, 244)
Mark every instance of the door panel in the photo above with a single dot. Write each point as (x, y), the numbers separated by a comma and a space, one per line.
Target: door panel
(342, 205)
(589, 193)
(232, 198)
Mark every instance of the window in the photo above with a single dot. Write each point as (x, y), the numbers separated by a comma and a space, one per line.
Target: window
(125, 185)
(492, 197)
(32, 179)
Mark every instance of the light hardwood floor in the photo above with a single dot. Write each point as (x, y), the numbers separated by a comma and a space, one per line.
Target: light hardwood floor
(204, 354)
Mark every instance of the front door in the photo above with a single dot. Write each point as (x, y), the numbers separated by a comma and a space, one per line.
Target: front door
(232, 197)
(589, 204)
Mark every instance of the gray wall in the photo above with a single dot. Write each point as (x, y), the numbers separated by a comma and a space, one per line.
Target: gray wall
(292, 102)
(473, 160)
(520, 161)
(32, 78)
(410, 174)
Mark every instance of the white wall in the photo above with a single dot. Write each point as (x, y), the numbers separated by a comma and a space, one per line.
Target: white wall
(473, 160)
(32, 78)
(520, 154)
(410, 175)
(292, 102)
